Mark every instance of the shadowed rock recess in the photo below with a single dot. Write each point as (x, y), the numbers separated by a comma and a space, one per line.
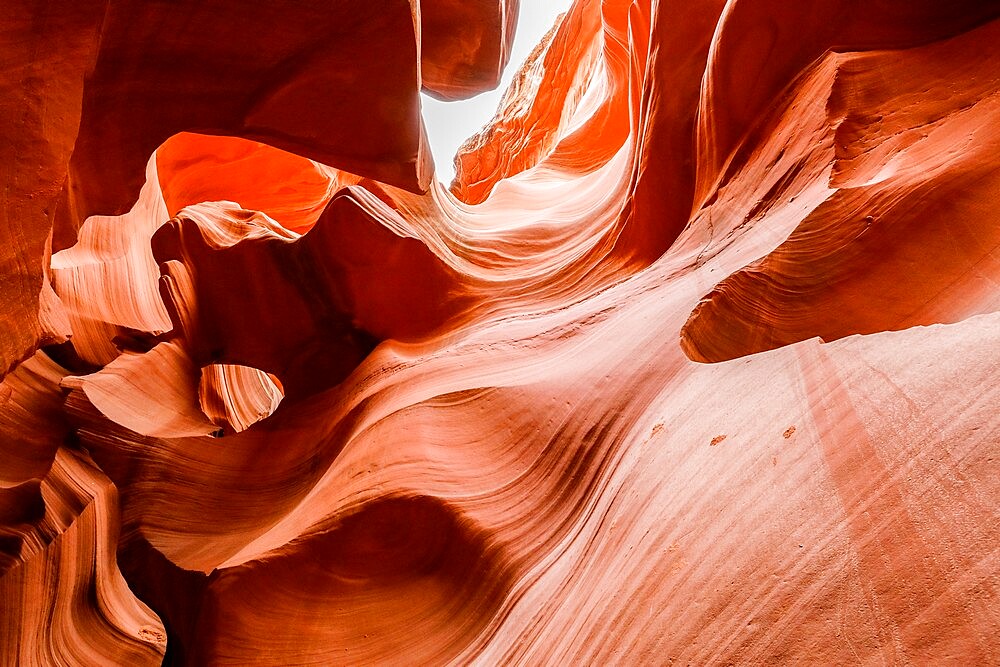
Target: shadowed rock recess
(697, 360)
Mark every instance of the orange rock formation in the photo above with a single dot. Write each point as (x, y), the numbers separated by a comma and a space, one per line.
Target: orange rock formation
(696, 361)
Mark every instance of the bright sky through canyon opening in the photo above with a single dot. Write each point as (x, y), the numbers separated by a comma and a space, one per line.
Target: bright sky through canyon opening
(449, 124)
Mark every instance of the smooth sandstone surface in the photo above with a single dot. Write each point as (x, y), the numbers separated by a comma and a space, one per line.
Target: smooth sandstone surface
(695, 362)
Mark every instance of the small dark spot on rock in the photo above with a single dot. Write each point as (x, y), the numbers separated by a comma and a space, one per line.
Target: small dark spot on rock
(717, 439)
(151, 635)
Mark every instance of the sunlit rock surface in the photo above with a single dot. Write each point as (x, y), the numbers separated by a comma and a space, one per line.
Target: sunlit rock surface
(695, 362)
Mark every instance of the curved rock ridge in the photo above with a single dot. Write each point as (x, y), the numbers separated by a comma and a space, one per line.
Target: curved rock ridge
(693, 363)
(64, 600)
(234, 397)
(904, 178)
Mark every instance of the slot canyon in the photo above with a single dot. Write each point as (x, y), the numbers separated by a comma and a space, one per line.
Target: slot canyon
(695, 361)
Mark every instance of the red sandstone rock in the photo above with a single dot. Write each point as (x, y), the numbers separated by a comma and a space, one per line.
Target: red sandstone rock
(46, 52)
(464, 45)
(235, 397)
(694, 363)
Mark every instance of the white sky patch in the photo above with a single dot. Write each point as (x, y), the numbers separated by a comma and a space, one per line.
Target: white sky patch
(449, 124)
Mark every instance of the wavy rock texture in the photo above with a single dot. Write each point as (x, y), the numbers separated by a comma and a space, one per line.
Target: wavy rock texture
(694, 362)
